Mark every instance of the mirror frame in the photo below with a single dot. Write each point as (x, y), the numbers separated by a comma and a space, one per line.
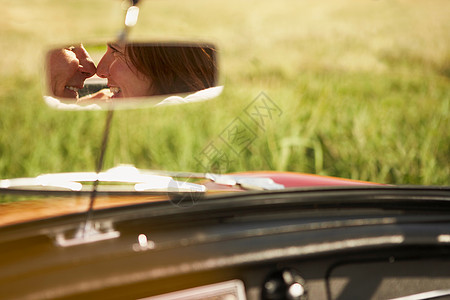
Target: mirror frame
(136, 102)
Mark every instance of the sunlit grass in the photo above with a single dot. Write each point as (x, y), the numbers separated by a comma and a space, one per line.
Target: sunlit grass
(363, 87)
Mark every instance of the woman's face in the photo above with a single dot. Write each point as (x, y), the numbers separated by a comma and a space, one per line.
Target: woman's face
(68, 69)
(124, 80)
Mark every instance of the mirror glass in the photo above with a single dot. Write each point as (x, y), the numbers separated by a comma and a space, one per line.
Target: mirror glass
(104, 76)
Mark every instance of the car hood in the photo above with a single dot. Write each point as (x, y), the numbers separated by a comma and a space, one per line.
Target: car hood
(42, 207)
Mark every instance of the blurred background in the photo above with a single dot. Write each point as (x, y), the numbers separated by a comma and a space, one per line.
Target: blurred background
(361, 87)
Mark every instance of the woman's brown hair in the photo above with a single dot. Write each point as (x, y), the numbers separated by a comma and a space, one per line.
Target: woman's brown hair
(174, 68)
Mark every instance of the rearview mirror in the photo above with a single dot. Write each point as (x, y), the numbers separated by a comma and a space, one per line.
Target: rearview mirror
(116, 74)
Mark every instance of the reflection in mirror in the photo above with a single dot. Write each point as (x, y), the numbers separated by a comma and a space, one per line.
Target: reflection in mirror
(108, 74)
(67, 69)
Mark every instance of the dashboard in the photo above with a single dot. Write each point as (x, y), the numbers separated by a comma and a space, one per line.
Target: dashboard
(386, 274)
(232, 251)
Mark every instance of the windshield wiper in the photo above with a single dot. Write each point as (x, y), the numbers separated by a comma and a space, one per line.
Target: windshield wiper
(129, 178)
(246, 182)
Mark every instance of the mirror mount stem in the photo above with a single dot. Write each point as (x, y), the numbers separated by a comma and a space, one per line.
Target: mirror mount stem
(131, 18)
(99, 167)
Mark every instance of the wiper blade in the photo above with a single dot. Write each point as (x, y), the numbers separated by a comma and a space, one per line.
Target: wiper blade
(246, 182)
(77, 181)
(143, 180)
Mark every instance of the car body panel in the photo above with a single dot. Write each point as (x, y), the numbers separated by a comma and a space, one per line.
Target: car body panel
(23, 211)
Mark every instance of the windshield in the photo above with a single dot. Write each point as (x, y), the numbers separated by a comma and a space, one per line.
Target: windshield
(348, 89)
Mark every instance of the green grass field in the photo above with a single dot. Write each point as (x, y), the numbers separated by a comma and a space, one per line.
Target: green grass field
(362, 87)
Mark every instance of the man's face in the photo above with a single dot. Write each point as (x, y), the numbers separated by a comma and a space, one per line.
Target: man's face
(68, 69)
